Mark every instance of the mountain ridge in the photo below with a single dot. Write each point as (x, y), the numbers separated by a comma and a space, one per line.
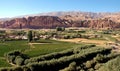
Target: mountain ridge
(64, 19)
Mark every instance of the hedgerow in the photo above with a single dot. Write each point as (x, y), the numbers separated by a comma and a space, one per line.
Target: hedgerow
(112, 65)
(16, 57)
(58, 63)
(57, 55)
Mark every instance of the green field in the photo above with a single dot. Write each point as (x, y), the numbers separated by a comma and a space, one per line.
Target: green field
(8, 46)
(12, 45)
(53, 46)
(46, 46)
(4, 63)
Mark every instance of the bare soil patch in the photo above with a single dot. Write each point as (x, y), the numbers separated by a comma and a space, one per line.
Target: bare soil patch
(78, 40)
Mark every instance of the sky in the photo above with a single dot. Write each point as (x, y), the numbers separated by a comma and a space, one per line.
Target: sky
(12, 8)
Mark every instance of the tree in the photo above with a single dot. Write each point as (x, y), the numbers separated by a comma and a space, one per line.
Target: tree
(60, 28)
(30, 36)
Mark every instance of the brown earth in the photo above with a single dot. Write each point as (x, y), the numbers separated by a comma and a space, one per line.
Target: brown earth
(82, 40)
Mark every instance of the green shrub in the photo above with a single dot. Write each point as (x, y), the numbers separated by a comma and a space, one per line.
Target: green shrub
(56, 64)
(11, 59)
(63, 61)
(99, 58)
(78, 49)
(72, 67)
(16, 57)
(57, 55)
(66, 37)
(26, 68)
(89, 64)
(60, 28)
(91, 69)
(112, 65)
(97, 66)
(19, 60)
(10, 56)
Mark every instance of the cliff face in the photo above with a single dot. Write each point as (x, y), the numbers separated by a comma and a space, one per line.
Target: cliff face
(104, 23)
(16, 23)
(45, 22)
(39, 22)
(34, 22)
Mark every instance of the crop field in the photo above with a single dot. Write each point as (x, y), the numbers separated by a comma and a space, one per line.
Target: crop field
(85, 58)
(10, 46)
(42, 47)
(4, 63)
(48, 46)
(87, 50)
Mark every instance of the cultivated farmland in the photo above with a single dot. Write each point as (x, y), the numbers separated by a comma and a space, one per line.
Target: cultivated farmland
(68, 50)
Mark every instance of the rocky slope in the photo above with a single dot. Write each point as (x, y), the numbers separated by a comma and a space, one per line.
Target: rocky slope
(64, 19)
(36, 22)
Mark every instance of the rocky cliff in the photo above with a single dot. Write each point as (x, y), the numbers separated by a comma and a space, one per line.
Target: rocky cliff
(37, 22)
(86, 20)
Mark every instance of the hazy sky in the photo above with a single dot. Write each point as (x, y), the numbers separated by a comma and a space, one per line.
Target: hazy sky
(11, 8)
